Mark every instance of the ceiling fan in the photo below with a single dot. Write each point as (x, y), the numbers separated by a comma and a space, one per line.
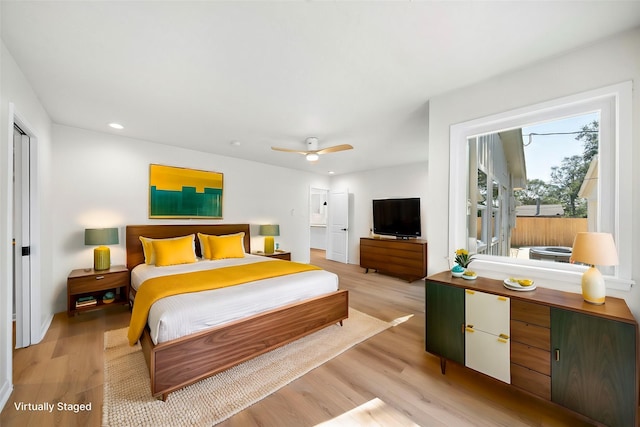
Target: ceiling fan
(313, 153)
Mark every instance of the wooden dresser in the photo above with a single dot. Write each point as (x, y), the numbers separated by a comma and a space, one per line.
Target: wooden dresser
(406, 259)
(559, 347)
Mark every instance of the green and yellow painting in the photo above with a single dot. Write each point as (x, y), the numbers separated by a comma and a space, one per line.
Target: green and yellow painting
(184, 193)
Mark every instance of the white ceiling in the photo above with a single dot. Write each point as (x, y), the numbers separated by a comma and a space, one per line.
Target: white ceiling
(203, 74)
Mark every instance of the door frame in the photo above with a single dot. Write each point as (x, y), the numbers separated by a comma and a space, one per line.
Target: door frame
(30, 306)
(21, 237)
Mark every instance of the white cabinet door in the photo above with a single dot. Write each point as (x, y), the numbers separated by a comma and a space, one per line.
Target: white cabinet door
(487, 344)
(488, 354)
(487, 312)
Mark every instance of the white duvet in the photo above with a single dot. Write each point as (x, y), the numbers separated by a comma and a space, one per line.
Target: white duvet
(180, 315)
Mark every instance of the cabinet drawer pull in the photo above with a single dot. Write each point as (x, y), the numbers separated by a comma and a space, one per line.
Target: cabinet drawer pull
(504, 336)
(502, 299)
(470, 292)
(99, 277)
(502, 340)
(557, 353)
(469, 329)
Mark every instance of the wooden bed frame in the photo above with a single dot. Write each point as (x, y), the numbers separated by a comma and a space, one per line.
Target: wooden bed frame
(183, 361)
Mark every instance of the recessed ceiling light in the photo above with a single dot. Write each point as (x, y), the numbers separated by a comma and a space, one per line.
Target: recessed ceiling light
(116, 126)
(331, 172)
(235, 143)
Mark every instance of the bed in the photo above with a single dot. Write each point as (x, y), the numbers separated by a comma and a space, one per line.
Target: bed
(177, 362)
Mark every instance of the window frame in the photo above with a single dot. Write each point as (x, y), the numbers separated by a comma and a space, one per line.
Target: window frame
(614, 211)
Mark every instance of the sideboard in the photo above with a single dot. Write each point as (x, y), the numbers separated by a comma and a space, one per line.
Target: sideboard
(552, 345)
(403, 258)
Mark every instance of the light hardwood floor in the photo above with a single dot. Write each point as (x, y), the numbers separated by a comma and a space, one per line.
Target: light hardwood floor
(390, 372)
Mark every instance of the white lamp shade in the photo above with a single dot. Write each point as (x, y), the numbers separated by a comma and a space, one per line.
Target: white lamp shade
(594, 249)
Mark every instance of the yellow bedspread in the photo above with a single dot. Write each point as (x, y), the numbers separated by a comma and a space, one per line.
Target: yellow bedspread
(160, 287)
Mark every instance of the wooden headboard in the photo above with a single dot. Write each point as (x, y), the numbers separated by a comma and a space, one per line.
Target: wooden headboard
(135, 255)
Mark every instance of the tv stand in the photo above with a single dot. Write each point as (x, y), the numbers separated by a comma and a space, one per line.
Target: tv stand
(402, 258)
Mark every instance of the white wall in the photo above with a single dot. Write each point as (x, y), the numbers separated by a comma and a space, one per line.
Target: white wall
(400, 181)
(605, 63)
(15, 89)
(101, 180)
(318, 237)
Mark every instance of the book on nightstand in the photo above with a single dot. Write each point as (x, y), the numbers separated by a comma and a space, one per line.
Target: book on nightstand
(86, 302)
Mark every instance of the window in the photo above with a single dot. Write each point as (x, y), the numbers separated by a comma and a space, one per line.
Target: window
(613, 103)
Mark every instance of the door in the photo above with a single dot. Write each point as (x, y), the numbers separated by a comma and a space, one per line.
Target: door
(21, 237)
(445, 321)
(338, 239)
(593, 368)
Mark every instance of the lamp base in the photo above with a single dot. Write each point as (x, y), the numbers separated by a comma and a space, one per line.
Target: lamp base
(593, 287)
(101, 258)
(269, 244)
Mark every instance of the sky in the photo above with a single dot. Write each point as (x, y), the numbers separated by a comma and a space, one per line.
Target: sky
(547, 151)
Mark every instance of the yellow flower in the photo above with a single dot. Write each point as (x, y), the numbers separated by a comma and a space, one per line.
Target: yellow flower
(463, 258)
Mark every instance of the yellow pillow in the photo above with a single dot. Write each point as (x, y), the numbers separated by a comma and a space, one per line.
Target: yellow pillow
(174, 251)
(229, 246)
(147, 249)
(204, 245)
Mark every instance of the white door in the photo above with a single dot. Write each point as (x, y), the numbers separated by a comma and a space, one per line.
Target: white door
(21, 238)
(338, 239)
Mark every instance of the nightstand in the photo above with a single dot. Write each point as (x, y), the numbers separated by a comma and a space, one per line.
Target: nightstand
(83, 283)
(277, 254)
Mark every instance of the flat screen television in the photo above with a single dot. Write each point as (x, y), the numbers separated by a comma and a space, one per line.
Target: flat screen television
(397, 217)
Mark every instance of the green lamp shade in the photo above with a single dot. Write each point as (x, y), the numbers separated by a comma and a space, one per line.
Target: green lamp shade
(101, 237)
(269, 231)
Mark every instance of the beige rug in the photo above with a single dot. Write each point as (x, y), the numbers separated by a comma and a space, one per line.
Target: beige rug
(127, 395)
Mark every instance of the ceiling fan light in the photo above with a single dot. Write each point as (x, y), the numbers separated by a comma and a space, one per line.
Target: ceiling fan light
(312, 157)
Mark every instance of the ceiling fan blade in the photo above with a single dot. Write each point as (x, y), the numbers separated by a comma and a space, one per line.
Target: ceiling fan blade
(335, 148)
(287, 150)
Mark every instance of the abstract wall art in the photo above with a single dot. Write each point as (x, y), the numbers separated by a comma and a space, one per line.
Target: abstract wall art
(176, 192)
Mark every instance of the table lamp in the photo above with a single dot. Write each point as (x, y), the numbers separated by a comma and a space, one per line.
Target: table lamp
(269, 231)
(101, 237)
(594, 249)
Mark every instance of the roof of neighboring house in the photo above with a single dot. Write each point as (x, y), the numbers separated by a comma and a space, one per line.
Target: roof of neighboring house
(514, 153)
(542, 210)
(589, 186)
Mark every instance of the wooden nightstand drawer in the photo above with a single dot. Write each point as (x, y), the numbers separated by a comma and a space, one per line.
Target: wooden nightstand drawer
(97, 282)
(94, 285)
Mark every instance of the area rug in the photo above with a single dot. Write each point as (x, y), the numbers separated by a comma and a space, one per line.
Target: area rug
(127, 395)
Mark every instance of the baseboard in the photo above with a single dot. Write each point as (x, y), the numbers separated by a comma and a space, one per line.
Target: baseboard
(5, 393)
(43, 330)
